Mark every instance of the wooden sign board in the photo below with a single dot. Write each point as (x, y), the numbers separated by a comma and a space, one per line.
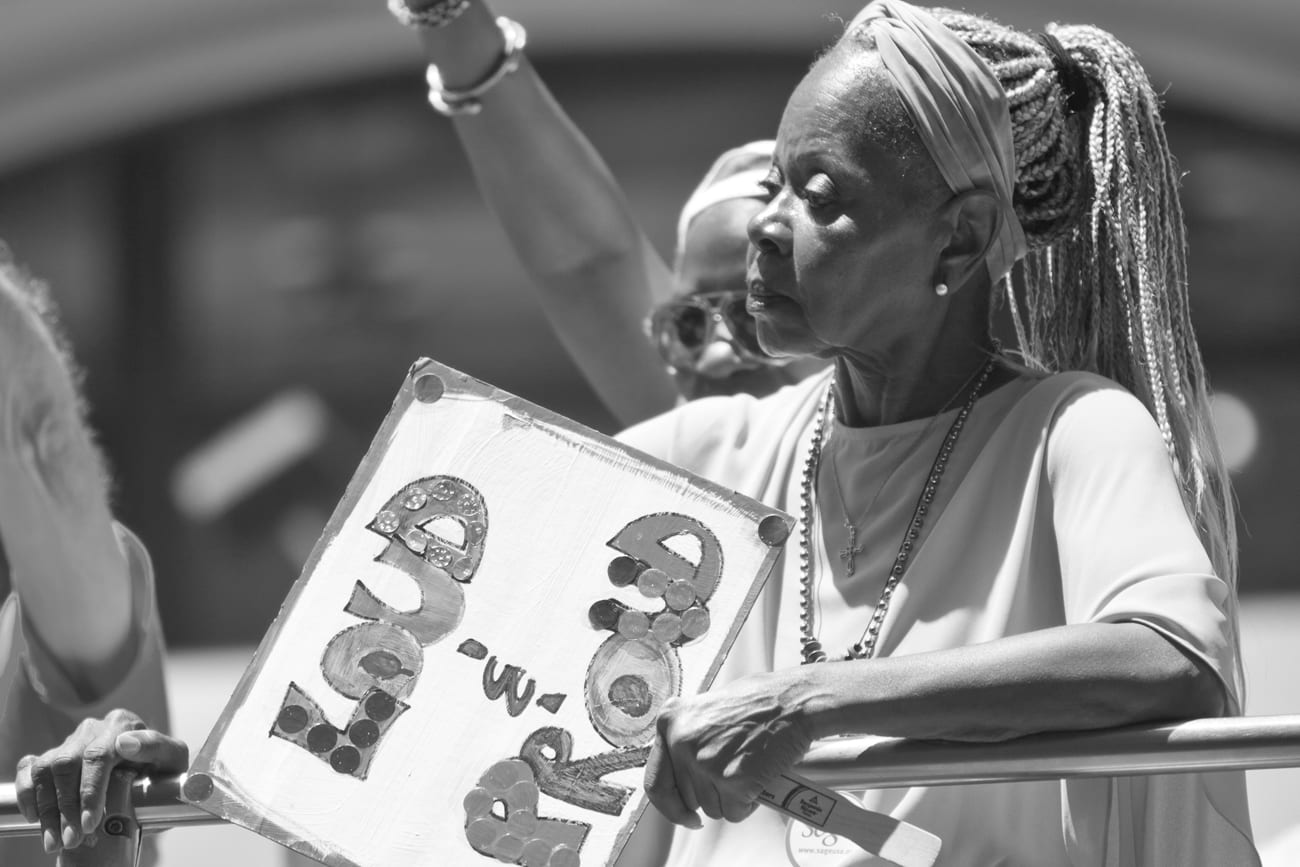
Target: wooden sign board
(469, 669)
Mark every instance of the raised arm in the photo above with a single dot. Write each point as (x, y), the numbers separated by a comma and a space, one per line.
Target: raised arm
(79, 634)
(63, 555)
(596, 272)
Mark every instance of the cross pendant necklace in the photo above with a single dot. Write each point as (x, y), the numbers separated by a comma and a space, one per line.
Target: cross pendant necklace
(849, 553)
(865, 647)
(851, 549)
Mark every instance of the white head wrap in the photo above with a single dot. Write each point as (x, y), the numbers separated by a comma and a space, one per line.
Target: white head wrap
(736, 174)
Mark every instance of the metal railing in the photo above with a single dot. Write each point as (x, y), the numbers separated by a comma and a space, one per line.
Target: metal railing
(1235, 743)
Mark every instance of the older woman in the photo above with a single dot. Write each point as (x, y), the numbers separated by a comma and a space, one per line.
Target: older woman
(988, 548)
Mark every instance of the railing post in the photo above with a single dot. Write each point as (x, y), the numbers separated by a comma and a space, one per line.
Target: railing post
(119, 834)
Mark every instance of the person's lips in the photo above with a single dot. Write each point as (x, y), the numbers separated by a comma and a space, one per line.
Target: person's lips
(762, 298)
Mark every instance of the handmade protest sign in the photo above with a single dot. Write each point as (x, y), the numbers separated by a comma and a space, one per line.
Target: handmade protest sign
(469, 668)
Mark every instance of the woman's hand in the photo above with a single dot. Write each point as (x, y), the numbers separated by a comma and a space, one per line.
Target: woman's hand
(65, 788)
(717, 751)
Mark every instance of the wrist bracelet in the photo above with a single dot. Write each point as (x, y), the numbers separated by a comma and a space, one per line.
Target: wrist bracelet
(435, 16)
(450, 103)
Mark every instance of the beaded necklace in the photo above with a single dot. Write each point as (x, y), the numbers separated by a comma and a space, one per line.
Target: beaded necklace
(865, 646)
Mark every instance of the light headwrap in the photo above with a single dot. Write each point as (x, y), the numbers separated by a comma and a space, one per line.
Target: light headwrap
(736, 174)
(959, 109)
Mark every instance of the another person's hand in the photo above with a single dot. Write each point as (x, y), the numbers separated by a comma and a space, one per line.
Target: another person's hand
(717, 751)
(65, 788)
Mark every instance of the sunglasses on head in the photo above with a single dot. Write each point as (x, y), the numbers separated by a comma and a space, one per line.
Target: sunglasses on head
(683, 328)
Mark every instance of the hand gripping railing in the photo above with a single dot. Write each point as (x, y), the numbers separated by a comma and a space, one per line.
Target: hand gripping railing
(1233, 743)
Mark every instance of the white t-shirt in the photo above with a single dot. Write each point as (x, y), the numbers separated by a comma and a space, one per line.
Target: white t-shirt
(1058, 506)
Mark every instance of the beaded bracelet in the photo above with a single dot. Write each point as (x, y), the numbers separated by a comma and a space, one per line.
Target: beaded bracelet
(450, 103)
(435, 16)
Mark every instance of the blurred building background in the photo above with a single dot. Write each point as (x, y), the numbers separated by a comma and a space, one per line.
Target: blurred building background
(254, 224)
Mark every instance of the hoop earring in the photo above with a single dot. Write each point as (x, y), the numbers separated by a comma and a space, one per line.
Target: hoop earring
(941, 290)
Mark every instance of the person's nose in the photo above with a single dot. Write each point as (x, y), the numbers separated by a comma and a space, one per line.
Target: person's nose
(769, 231)
(719, 358)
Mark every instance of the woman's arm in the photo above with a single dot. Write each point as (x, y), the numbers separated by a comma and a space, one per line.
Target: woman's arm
(1084, 676)
(58, 542)
(716, 751)
(597, 273)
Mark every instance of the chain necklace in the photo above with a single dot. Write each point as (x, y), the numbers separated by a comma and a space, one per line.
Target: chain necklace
(852, 549)
(865, 646)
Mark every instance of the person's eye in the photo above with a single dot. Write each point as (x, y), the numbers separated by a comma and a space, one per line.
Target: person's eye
(771, 184)
(819, 192)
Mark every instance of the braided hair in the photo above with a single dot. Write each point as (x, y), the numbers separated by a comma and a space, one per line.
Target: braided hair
(1104, 285)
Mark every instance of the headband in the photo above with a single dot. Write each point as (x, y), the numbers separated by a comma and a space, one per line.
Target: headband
(959, 109)
(736, 174)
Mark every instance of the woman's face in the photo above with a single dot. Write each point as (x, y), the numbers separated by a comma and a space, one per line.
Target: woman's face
(847, 249)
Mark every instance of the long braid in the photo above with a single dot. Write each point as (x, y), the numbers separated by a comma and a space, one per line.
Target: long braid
(1104, 287)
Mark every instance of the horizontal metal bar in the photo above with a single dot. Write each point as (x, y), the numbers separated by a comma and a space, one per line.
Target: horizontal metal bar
(1234, 743)
(157, 802)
